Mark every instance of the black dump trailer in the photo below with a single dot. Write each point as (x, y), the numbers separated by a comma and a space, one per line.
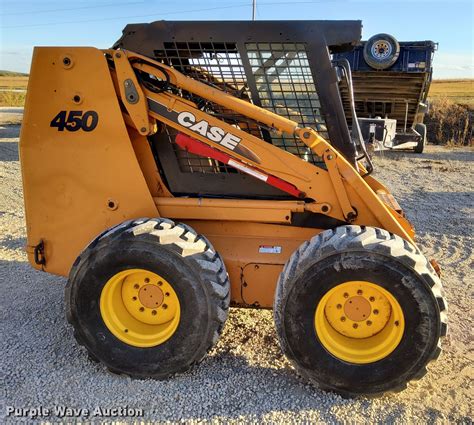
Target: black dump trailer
(391, 81)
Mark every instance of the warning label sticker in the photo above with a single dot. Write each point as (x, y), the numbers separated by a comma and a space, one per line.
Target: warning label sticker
(269, 249)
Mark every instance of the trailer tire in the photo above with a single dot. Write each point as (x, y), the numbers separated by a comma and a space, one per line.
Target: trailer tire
(351, 257)
(381, 51)
(178, 267)
(421, 129)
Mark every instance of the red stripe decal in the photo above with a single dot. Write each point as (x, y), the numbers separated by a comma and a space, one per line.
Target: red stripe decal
(198, 148)
(285, 186)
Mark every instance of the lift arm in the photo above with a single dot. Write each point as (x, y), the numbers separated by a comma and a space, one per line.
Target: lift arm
(339, 191)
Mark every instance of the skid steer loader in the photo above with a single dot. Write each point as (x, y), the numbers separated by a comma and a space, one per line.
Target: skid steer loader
(196, 165)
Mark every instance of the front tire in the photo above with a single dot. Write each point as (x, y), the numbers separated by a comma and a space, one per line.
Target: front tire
(359, 311)
(148, 298)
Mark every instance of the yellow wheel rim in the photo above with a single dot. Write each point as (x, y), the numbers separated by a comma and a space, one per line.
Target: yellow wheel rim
(359, 322)
(140, 308)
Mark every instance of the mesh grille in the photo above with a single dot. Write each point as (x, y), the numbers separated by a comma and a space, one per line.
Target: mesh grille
(284, 82)
(285, 86)
(218, 65)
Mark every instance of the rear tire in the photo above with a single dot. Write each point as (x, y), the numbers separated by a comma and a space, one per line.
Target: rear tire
(353, 253)
(147, 248)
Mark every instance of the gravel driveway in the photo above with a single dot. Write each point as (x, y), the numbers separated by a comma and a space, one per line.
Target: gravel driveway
(245, 377)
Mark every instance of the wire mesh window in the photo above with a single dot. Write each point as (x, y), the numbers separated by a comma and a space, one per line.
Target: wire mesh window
(218, 65)
(285, 86)
(284, 82)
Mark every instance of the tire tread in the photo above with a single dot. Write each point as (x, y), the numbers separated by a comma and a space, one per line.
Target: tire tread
(356, 238)
(184, 240)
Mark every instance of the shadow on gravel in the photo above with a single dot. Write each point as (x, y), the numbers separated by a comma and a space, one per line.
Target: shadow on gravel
(9, 131)
(46, 367)
(451, 155)
(13, 243)
(9, 151)
(447, 154)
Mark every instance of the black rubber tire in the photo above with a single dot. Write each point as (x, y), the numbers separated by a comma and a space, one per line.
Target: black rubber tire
(359, 253)
(378, 62)
(181, 256)
(420, 128)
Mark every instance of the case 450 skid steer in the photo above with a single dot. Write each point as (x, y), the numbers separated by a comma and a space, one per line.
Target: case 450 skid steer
(200, 164)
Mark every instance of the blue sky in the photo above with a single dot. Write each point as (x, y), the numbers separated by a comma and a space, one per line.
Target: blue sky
(99, 23)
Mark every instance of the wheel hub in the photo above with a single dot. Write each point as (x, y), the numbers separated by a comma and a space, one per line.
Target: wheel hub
(381, 49)
(150, 296)
(140, 307)
(359, 321)
(357, 308)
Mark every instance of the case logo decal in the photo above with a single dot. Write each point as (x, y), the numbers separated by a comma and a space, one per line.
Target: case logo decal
(213, 133)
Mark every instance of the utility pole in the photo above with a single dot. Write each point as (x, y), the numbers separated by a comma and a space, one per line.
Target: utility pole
(254, 9)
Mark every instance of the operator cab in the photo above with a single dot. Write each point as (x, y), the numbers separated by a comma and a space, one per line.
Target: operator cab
(282, 66)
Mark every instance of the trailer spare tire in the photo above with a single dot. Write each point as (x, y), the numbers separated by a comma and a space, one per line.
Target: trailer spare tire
(381, 51)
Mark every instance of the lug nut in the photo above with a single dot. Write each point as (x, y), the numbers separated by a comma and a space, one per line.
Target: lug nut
(164, 306)
(359, 292)
(339, 306)
(136, 286)
(376, 311)
(397, 322)
(134, 298)
(369, 323)
(346, 295)
(142, 309)
(147, 280)
(372, 299)
(153, 312)
(343, 319)
(167, 294)
(355, 325)
(160, 283)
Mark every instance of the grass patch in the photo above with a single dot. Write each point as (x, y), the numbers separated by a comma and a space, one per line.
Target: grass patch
(449, 123)
(13, 88)
(11, 98)
(13, 83)
(457, 91)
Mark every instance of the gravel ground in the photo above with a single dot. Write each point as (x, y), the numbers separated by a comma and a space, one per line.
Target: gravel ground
(10, 115)
(245, 377)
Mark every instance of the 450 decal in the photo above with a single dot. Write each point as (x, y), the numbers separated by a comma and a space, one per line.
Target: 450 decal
(75, 120)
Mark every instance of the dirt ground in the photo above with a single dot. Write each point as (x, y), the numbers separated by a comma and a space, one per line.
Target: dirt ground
(245, 377)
